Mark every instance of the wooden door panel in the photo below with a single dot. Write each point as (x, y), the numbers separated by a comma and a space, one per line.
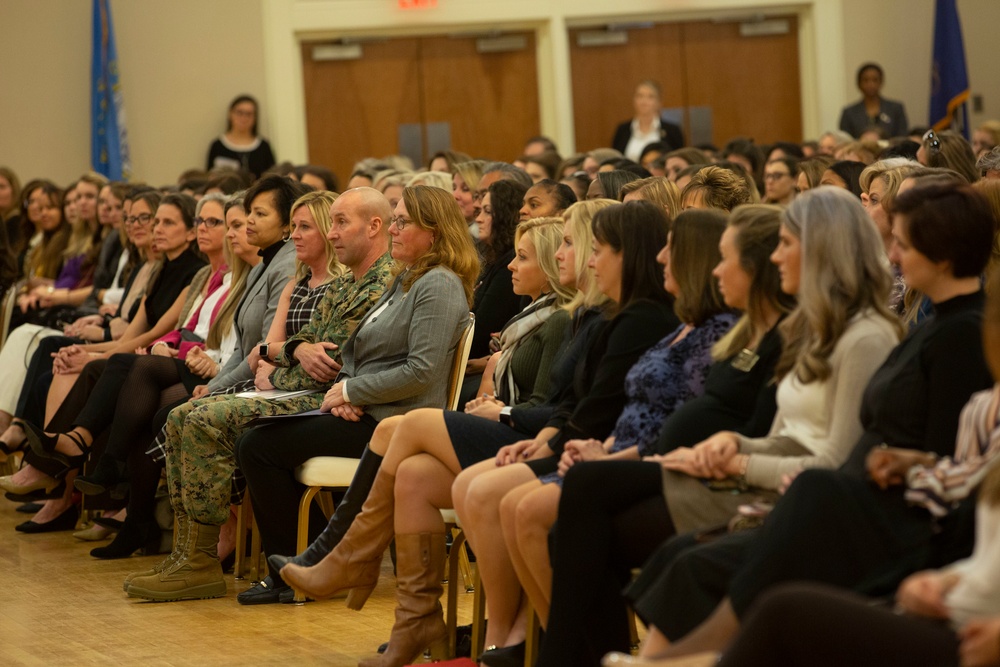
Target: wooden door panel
(751, 83)
(354, 107)
(490, 100)
(604, 78)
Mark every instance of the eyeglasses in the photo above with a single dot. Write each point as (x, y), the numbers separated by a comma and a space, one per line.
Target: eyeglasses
(400, 223)
(142, 219)
(776, 175)
(210, 223)
(932, 140)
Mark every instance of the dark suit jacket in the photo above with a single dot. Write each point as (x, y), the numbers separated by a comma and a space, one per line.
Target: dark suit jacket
(669, 133)
(598, 392)
(891, 119)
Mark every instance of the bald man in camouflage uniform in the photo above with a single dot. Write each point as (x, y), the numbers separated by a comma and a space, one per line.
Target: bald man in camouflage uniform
(201, 434)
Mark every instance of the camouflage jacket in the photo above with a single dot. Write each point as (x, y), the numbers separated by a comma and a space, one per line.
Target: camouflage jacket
(341, 310)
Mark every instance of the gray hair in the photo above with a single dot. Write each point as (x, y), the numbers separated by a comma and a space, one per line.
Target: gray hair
(989, 161)
(216, 197)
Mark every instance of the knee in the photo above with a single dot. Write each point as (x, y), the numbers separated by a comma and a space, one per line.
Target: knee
(483, 497)
(384, 433)
(531, 516)
(410, 479)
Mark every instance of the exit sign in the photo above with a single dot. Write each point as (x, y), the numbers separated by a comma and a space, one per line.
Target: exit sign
(417, 4)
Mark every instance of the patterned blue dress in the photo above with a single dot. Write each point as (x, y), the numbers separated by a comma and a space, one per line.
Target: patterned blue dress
(663, 379)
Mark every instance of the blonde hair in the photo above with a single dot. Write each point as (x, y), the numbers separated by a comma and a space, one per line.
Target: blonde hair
(722, 188)
(470, 171)
(546, 235)
(319, 202)
(237, 283)
(876, 169)
(436, 211)
(844, 272)
(580, 218)
(437, 179)
(756, 227)
(658, 190)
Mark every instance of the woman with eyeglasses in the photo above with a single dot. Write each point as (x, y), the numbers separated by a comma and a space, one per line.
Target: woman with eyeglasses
(780, 177)
(949, 150)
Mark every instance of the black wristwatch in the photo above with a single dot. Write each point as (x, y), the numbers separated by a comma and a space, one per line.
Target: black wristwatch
(505, 416)
(262, 351)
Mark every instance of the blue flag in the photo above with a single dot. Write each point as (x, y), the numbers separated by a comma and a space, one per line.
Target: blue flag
(949, 78)
(108, 141)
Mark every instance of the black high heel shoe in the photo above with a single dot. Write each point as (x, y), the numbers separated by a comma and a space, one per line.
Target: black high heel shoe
(47, 458)
(131, 538)
(108, 475)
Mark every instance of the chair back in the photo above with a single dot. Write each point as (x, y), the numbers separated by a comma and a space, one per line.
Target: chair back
(7, 305)
(459, 363)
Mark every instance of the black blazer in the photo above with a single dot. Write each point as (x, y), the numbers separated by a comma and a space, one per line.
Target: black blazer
(669, 133)
(598, 392)
(891, 119)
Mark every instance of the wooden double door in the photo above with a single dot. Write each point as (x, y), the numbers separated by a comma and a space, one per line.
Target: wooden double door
(748, 85)
(417, 95)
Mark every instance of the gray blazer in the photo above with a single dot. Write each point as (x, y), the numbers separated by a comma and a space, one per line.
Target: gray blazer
(891, 119)
(399, 359)
(255, 314)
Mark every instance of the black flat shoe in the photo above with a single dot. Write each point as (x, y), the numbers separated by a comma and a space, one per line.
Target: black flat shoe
(508, 656)
(65, 521)
(27, 508)
(10, 449)
(265, 592)
(131, 538)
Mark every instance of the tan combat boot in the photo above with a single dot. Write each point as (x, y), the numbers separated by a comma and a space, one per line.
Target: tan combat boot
(196, 574)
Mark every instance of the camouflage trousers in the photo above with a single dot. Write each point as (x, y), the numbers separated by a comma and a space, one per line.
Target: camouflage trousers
(200, 449)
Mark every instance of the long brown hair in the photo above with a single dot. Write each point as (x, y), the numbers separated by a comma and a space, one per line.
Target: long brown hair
(436, 210)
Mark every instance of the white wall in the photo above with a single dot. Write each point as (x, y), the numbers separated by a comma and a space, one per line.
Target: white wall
(183, 60)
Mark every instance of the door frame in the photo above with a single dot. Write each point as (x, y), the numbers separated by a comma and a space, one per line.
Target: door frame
(288, 23)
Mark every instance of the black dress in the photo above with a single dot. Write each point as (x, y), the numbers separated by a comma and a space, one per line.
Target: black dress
(476, 439)
(835, 526)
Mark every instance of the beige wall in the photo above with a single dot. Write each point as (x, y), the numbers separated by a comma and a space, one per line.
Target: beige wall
(181, 63)
(183, 60)
(898, 34)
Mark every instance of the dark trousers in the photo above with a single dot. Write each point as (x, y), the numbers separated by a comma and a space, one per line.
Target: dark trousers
(806, 625)
(685, 580)
(31, 402)
(612, 515)
(268, 456)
